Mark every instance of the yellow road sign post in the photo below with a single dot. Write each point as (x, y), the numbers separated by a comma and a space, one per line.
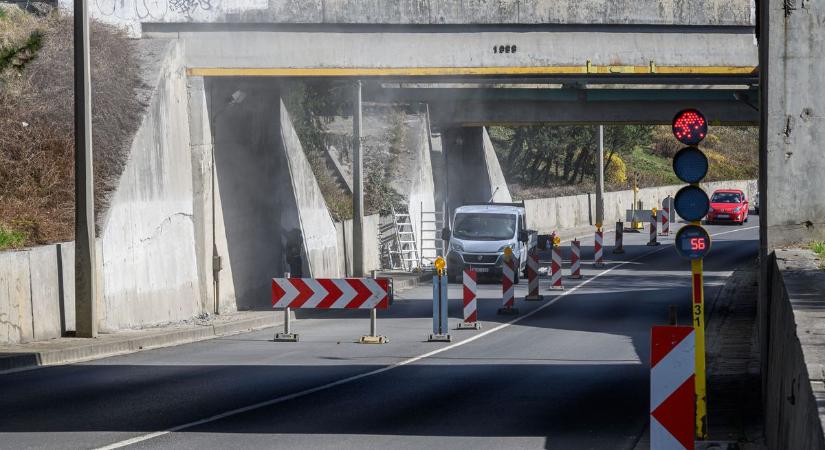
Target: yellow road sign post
(699, 326)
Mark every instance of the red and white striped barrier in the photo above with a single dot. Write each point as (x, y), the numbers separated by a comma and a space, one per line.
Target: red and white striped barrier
(533, 277)
(555, 268)
(668, 215)
(508, 299)
(575, 259)
(470, 301)
(330, 293)
(672, 388)
(598, 257)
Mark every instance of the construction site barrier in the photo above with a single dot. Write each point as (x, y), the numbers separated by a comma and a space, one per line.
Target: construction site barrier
(330, 293)
(508, 274)
(598, 255)
(672, 388)
(555, 269)
(533, 277)
(575, 259)
(470, 321)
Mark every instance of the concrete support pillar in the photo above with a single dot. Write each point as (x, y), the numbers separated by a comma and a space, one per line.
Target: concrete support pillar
(357, 187)
(203, 177)
(85, 249)
(600, 179)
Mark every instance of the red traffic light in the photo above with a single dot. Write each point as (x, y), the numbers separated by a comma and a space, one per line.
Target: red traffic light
(690, 126)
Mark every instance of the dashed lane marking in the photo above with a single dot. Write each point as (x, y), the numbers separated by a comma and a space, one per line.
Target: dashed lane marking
(305, 392)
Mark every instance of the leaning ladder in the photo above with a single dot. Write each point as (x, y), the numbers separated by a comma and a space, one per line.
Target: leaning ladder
(406, 250)
(429, 235)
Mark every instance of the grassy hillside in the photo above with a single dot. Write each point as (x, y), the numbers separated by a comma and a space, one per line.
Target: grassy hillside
(547, 161)
(36, 122)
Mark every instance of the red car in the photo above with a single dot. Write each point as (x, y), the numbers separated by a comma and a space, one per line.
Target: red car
(728, 205)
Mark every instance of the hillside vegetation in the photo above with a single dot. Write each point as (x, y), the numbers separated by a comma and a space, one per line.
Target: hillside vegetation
(37, 128)
(548, 161)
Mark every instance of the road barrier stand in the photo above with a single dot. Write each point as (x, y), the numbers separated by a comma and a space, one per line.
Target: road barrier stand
(619, 247)
(598, 256)
(470, 302)
(653, 221)
(508, 274)
(330, 293)
(555, 268)
(533, 277)
(672, 388)
(440, 318)
(575, 259)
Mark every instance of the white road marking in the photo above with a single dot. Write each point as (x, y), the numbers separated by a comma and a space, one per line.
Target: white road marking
(305, 392)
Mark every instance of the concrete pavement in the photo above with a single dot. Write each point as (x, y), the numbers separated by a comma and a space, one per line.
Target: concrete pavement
(569, 372)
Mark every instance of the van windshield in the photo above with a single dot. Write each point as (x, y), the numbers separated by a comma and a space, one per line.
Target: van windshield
(484, 227)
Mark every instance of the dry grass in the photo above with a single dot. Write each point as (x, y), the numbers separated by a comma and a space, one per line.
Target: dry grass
(37, 131)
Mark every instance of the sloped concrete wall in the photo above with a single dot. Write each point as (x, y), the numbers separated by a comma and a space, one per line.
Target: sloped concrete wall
(420, 188)
(150, 273)
(473, 170)
(498, 185)
(319, 237)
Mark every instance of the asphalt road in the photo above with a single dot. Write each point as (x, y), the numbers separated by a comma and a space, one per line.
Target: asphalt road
(570, 372)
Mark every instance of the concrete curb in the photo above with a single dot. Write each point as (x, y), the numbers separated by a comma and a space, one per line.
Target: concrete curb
(127, 342)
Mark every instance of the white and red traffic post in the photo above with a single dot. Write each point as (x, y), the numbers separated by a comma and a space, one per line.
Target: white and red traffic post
(667, 215)
(533, 277)
(330, 293)
(672, 388)
(598, 255)
(508, 274)
(653, 241)
(470, 321)
(575, 259)
(555, 268)
(619, 247)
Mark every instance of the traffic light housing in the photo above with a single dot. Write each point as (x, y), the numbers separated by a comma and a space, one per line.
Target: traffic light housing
(691, 166)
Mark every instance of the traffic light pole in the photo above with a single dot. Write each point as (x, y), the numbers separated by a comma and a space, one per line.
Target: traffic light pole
(699, 327)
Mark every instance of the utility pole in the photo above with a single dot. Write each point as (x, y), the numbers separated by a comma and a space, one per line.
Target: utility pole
(600, 179)
(357, 187)
(84, 223)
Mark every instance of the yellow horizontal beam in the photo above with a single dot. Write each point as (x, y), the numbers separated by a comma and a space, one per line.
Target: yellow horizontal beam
(465, 71)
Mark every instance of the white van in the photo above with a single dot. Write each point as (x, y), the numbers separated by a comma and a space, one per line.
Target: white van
(479, 235)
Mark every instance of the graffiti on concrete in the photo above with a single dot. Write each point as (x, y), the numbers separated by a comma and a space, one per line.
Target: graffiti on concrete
(153, 9)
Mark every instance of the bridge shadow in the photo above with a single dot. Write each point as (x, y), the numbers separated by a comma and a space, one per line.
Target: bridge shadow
(567, 404)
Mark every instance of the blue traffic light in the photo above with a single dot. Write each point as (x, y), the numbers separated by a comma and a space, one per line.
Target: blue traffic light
(691, 203)
(690, 164)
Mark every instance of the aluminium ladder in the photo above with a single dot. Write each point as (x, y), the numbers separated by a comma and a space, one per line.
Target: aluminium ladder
(406, 251)
(430, 236)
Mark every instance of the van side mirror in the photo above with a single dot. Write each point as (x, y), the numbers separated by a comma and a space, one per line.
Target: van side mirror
(445, 234)
(523, 236)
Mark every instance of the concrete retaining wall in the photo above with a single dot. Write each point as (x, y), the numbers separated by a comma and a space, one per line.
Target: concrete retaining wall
(150, 272)
(372, 249)
(549, 214)
(795, 378)
(36, 293)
